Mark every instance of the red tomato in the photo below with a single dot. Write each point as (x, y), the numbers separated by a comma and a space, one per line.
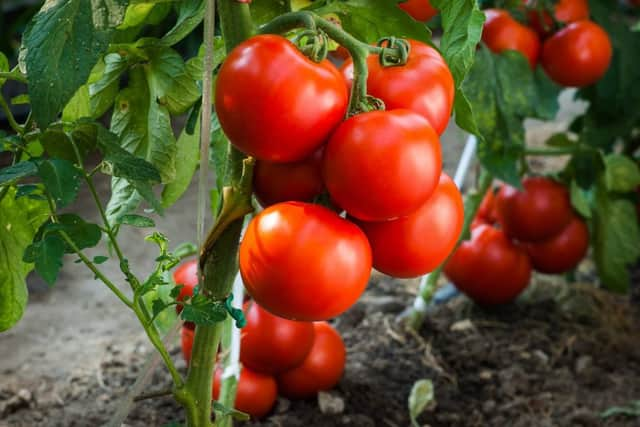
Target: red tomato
(539, 212)
(255, 395)
(566, 11)
(186, 340)
(187, 275)
(420, 10)
(578, 55)
(416, 244)
(276, 104)
(487, 210)
(423, 85)
(321, 369)
(302, 261)
(382, 164)
(271, 344)
(282, 182)
(489, 268)
(561, 252)
(501, 32)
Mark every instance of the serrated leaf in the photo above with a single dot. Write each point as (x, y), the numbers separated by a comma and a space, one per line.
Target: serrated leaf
(121, 163)
(581, 200)
(203, 311)
(169, 80)
(136, 221)
(187, 160)
(18, 171)
(57, 144)
(103, 91)
(421, 396)
(33, 191)
(61, 40)
(190, 14)
(61, 179)
(158, 306)
(185, 249)
(175, 291)
(47, 255)
(621, 173)
(83, 234)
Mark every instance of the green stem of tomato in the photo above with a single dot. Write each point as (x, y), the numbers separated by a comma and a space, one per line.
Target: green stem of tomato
(472, 204)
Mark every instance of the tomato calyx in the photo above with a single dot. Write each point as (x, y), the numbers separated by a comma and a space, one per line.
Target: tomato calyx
(313, 43)
(394, 51)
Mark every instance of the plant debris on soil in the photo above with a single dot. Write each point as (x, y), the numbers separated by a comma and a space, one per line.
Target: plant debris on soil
(560, 356)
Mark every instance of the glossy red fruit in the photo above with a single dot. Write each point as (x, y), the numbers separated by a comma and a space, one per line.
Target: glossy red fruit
(271, 344)
(578, 55)
(186, 275)
(302, 261)
(489, 268)
(565, 11)
(416, 244)
(423, 85)
(276, 104)
(561, 252)
(282, 182)
(501, 32)
(321, 369)
(186, 341)
(382, 165)
(537, 213)
(420, 10)
(255, 395)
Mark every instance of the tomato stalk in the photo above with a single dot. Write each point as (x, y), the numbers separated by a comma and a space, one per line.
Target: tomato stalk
(472, 204)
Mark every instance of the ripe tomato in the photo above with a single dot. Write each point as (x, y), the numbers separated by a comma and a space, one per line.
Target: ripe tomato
(561, 252)
(187, 275)
(487, 210)
(282, 182)
(539, 212)
(489, 268)
(416, 244)
(565, 11)
(578, 55)
(276, 104)
(302, 261)
(255, 395)
(382, 164)
(186, 341)
(321, 369)
(271, 344)
(501, 32)
(423, 85)
(420, 10)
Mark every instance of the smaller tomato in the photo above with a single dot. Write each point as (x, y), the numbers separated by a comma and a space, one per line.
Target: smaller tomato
(187, 276)
(420, 10)
(255, 395)
(565, 11)
(539, 212)
(282, 182)
(501, 32)
(577, 55)
(561, 252)
(489, 268)
(186, 341)
(271, 344)
(321, 369)
(487, 210)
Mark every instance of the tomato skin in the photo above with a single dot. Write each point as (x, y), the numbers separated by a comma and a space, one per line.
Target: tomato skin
(539, 212)
(565, 11)
(578, 55)
(423, 85)
(304, 262)
(416, 244)
(271, 344)
(420, 10)
(266, 79)
(256, 393)
(186, 342)
(501, 32)
(281, 182)
(382, 165)
(487, 210)
(489, 268)
(321, 369)
(187, 275)
(562, 252)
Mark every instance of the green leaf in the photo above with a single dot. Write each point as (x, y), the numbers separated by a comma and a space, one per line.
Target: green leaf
(19, 222)
(581, 200)
(631, 410)
(102, 92)
(190, 14)
(17, 171)
(230, 412)
(263, 11)
(47, 255)
(136, 221)
(220, 151)
(421, 396)
(121, 163)
(185, 249)
(32, 191)
(21, 99)
(108, 13)
(58, 144)
(585, 166)
(100, 259)
(83, 234)
(187, 159)
(615, 239)
(545, 102)
(4, 67)
(203, 311)
(168, 78)
(59, 48)
(622, 174)
(62, 180)
(370, 20)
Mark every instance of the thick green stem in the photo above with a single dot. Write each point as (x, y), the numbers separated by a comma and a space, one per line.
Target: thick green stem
(472, 204)
(13, 75)
(12, 121)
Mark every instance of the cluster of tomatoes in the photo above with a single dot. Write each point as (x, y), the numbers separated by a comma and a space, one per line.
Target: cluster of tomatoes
(577, 54)
(381, 169)
(295, 359)
(515, 231)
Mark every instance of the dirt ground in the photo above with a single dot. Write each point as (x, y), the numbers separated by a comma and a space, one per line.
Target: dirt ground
(557, 358)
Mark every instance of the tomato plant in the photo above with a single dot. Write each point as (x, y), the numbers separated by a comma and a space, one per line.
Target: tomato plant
(564, 11)
(562, 252)
(256, 394)
(501, 32)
